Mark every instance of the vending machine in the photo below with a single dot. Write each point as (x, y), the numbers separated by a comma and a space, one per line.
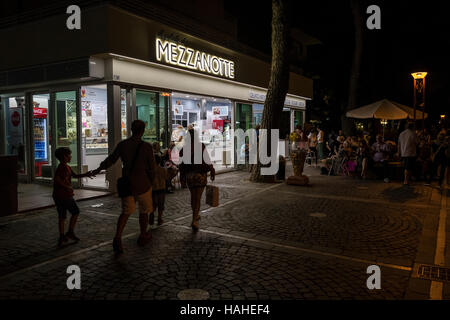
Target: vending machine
(40, 138)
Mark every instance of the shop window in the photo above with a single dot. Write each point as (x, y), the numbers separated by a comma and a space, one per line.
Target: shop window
(151, 108)
(243, 116)
(13, 128)
(298, 118)
(211, 117)
(66, 126)
(123, 113)
(94, 134)
(257, 113)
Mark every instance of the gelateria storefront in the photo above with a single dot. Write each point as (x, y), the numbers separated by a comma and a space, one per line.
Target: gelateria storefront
(35, 124)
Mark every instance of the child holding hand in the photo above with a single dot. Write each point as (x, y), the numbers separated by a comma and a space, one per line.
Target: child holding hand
(63, 194)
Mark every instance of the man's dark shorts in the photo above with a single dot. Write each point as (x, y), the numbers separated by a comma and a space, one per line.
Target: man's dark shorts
(409, 163)
(64, 205)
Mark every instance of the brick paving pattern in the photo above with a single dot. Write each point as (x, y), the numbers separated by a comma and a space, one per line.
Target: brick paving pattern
(265, 241)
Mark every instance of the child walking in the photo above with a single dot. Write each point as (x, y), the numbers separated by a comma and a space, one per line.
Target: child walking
(159, 192)
(63, 194)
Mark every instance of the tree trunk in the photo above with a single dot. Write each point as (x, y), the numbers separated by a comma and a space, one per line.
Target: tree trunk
(279, 77)
(356, 65)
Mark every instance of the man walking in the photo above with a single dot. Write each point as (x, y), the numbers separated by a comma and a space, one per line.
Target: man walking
(407, 142)
(138, 164)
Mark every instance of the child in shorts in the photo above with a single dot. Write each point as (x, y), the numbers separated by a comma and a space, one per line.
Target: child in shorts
(159, 192)
(63, 194)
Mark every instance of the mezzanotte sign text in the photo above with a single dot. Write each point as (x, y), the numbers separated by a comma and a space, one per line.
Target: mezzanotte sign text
(186, 57)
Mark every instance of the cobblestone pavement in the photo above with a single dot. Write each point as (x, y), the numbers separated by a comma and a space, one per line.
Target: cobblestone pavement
(264, 241)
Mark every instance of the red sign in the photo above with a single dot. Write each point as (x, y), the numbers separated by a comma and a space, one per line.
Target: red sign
(15, 118)
(218, 125)
(40, 112)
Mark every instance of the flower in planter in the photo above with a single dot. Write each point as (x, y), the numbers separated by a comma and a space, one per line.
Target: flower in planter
(294, 136)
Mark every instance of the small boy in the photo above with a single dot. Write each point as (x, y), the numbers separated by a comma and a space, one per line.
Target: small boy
(63, 194)
(159, 192)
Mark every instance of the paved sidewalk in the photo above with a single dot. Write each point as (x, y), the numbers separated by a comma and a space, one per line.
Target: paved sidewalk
(264, 241)
(32, 196)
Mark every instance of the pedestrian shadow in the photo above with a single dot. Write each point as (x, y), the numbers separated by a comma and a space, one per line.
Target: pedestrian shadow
(400, 194)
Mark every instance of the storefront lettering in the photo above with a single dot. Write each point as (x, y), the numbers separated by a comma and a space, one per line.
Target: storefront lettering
(182, 56)
(287, 102)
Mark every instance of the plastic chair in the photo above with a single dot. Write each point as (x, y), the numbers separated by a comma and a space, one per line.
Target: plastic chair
(311, 156)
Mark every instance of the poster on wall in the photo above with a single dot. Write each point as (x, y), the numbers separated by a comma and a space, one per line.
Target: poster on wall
(221, 111)
(15, 130)
(178, 110)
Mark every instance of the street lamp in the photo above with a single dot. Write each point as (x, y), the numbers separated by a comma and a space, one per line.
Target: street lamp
(419, 90)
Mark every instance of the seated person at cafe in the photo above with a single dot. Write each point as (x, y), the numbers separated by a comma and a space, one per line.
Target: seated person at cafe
(332, 146)
(345, 150)
(381, 155)
(354, 142)
(341, 137)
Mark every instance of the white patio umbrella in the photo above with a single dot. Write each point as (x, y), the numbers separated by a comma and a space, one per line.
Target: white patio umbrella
(384, 109)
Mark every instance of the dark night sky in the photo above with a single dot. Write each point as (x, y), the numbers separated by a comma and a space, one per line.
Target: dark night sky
(414, 37)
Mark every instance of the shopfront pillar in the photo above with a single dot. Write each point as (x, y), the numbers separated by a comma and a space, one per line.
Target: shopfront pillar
(114, 133)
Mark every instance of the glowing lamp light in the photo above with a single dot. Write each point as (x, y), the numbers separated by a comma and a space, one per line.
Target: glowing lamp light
(419, 75)
(384, 122)
(442, 116)
(165, 94)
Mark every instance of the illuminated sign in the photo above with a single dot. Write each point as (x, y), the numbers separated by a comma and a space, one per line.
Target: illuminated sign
(287, 102)
(186, 57)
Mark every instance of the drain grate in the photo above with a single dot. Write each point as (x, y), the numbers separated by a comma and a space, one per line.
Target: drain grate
(433, 273)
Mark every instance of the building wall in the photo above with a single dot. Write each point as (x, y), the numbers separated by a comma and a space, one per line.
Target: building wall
(107, 29)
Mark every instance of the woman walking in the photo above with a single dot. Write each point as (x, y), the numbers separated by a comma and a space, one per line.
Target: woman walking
(196, 175)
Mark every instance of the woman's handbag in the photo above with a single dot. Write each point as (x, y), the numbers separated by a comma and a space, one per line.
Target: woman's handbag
(212, 195)
(124, 183)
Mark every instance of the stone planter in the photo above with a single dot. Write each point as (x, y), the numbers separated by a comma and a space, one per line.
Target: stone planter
(298, 161)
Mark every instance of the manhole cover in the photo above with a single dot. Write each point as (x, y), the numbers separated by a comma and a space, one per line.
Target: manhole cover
(318, 215)
(433, 273)
(193, 294)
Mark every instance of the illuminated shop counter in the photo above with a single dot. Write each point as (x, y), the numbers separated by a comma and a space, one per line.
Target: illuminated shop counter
(96, 146)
